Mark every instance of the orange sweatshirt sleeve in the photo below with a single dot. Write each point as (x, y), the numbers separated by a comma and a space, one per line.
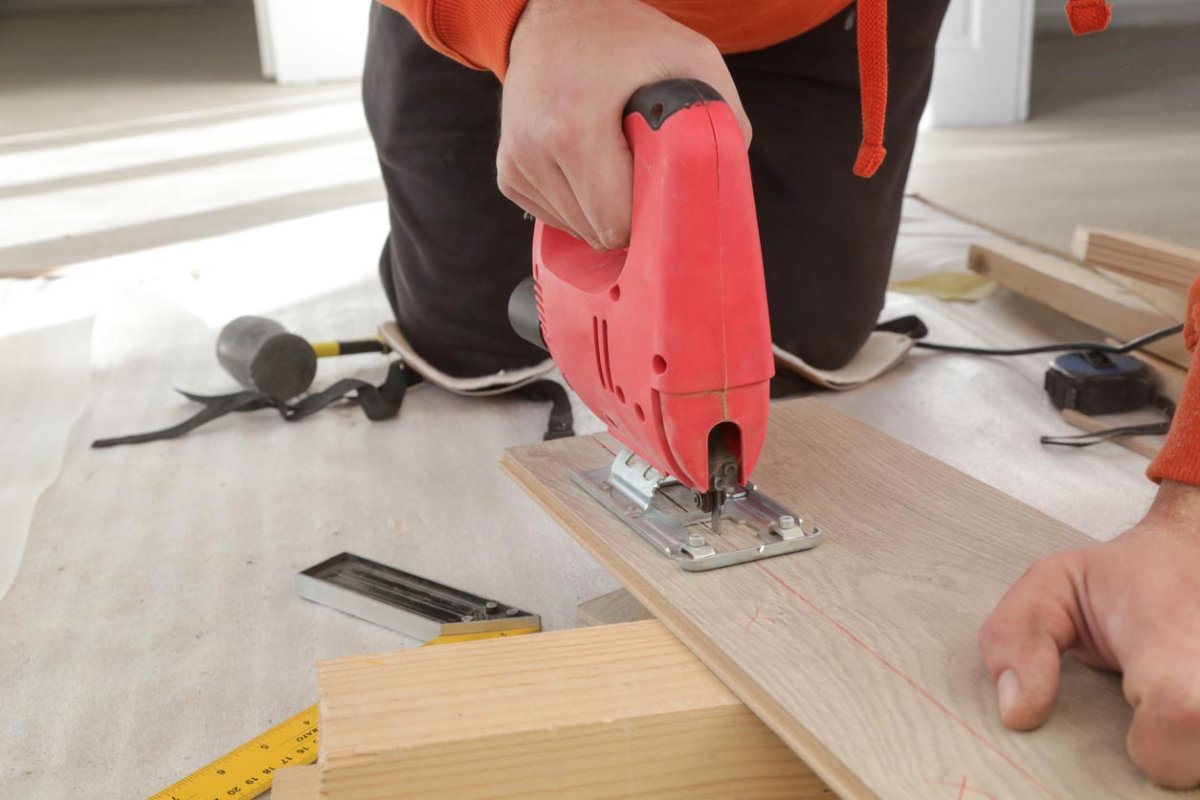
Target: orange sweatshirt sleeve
(472, 32)
(1179, 459)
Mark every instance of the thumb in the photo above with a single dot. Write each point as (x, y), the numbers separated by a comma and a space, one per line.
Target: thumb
(1023, 640)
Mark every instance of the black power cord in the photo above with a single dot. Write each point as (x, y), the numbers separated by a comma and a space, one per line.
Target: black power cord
(913, 327)
(1099, 347)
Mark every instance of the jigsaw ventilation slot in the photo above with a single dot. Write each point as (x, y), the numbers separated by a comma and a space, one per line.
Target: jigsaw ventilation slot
(600, 345)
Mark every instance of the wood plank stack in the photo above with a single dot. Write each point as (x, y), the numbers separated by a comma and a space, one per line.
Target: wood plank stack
(1123, 284)
(1078, 291)
(1161, 263)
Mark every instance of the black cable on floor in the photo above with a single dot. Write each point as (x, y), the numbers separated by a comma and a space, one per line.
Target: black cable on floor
(1102, 347)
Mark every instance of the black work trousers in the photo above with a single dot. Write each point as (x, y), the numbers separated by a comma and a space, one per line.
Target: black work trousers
(457, 247)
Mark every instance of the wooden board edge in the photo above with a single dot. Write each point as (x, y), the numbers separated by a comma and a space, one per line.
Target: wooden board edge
(296, 783)
(1177, 265)
(614, 607)
(1100, 305)
(836, 775)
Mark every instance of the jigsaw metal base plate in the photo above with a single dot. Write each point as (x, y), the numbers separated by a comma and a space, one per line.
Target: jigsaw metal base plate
(661, 510)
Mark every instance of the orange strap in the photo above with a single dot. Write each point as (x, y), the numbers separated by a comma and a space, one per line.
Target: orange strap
(873, 83)
(1088, 16)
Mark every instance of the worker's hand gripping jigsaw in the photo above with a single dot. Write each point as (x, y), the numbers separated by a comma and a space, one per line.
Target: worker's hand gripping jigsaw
(668, 341)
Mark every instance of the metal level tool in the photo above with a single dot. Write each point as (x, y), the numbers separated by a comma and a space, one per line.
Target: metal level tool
(403, 602)
(665, 513)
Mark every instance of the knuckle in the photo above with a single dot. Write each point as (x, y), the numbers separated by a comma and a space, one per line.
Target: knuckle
(511, 145)
(701, 48)
(1174, 709)
(562, 135)
(995, 633)
(505, 186)
(1164, 735)
(1046, 569)
(504, 160)
(507, 192)
(1162, 763)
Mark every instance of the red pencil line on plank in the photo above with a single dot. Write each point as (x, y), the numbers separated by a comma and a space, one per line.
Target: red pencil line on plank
(971, 791)
(753, 619)
(962, 790)
(849, 634)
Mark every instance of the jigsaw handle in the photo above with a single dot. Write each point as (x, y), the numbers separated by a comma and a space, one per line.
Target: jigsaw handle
(655, 103)
(658, 101)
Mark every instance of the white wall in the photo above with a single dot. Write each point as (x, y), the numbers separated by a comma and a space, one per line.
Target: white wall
(1126, 13)
(981, 73)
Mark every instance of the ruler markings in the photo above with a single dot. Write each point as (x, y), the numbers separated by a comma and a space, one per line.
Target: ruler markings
(247, 771)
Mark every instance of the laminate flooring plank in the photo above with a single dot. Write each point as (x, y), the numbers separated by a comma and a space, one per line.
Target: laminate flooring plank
(612, 609)
(861, 654)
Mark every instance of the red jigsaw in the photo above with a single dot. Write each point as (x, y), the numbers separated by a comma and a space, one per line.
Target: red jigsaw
(669, 341)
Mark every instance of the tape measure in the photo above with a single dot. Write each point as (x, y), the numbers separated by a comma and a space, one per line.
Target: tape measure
(247, 771)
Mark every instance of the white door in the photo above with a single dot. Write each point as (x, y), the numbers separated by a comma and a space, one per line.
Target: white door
(981, 75)
(306, 41)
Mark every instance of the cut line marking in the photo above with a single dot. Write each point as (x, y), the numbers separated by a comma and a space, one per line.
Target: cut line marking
(921, 690)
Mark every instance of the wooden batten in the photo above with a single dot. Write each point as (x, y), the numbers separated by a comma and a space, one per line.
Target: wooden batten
(1162, 263)
(607, 712)
(1079, 292)
(296, 783)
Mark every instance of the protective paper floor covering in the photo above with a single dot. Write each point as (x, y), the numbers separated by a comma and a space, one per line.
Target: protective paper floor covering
(153, 623)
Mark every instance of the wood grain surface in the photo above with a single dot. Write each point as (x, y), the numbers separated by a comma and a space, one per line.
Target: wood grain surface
(296, 783)
(1168, 378)
(1079, 292)
(1164, 263)
(861, 654)
(611, 609)
(615, 711)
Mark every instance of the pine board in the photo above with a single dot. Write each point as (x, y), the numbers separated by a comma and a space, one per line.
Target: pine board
(1163, 263)
(861, 654)
(1079, 292)
(297, 783)
(600, 713)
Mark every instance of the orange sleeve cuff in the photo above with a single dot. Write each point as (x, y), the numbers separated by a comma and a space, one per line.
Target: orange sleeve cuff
(472, 32)
(1179, 459)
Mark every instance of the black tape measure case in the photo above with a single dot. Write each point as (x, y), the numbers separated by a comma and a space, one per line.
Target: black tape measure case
(1095, 383)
